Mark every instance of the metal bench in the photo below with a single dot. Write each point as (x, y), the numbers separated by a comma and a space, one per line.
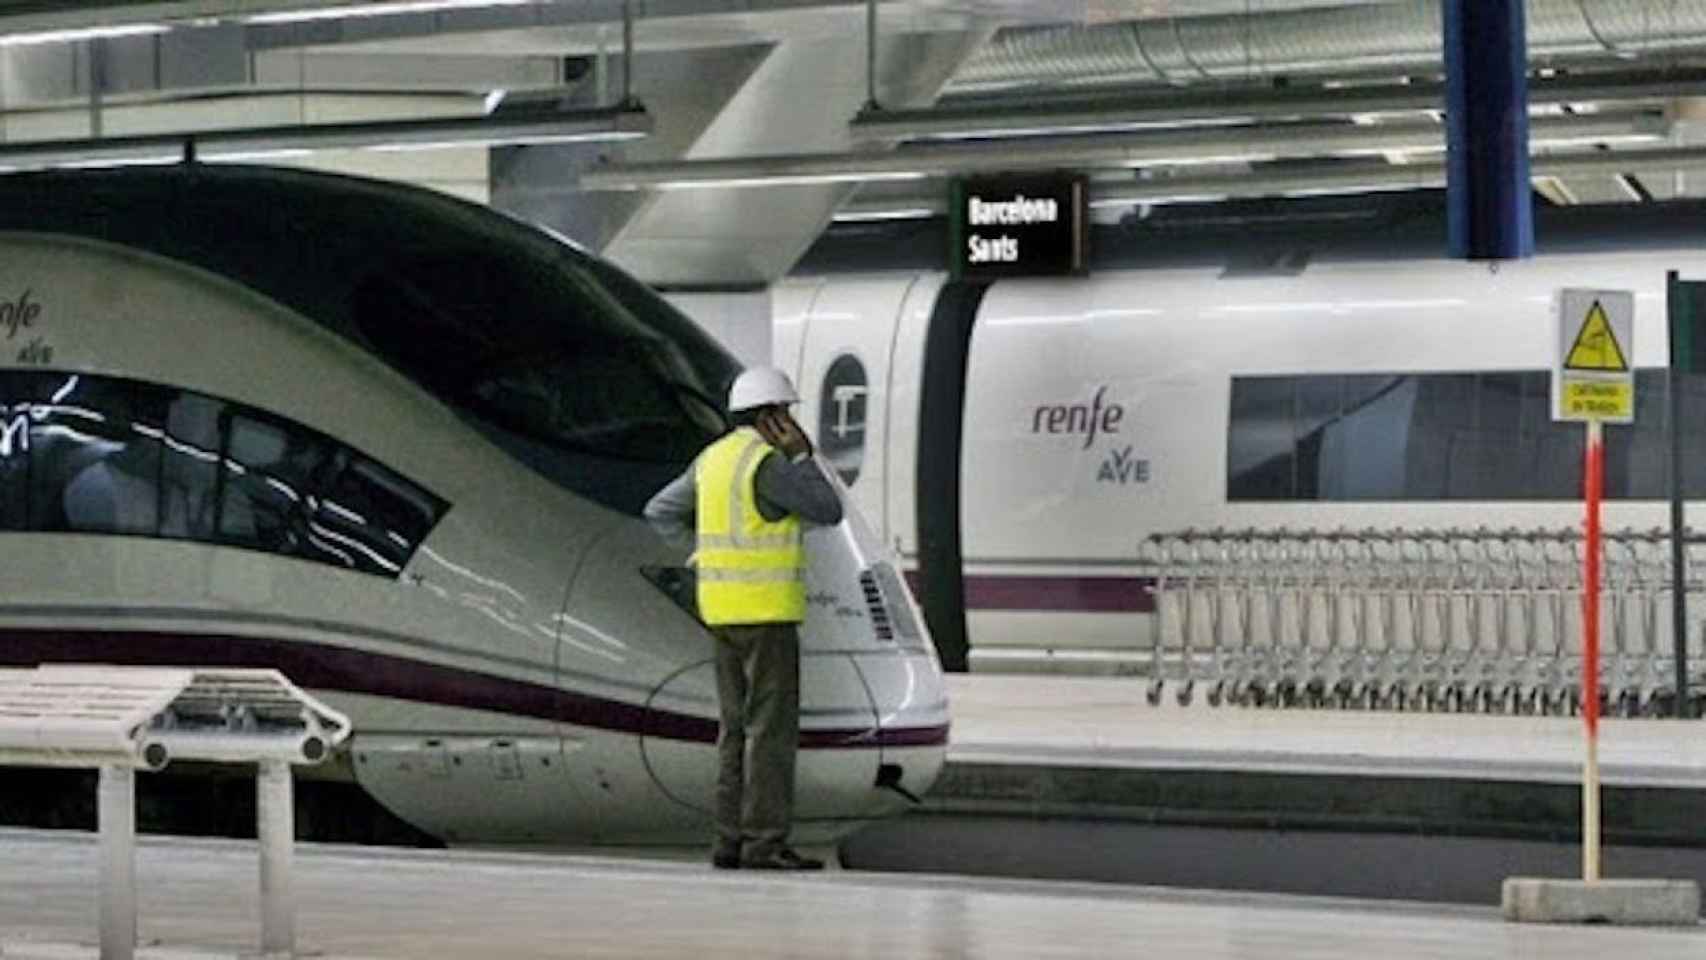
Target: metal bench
(124, 719)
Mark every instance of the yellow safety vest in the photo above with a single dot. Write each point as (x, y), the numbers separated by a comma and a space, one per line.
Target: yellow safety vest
(750, 569)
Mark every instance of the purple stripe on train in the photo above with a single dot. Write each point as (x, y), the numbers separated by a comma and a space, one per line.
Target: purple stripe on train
(322, 666)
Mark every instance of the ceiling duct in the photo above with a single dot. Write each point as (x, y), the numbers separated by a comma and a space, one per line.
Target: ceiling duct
(1390, 37)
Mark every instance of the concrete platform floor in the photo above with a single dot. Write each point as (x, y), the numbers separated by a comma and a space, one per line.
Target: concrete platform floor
(1107, 722)
(198, 900)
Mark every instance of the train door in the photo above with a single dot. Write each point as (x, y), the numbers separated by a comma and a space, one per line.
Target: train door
(904, 380)
(844, 388)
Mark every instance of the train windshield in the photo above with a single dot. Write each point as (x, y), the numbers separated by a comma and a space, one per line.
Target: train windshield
(576, 369)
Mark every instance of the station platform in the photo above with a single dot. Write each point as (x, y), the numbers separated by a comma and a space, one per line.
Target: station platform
(1069, 778)
(1106, 722)
(197, 904)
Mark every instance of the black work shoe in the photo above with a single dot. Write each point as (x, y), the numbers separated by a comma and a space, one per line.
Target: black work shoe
(725, 861)
(783, 859)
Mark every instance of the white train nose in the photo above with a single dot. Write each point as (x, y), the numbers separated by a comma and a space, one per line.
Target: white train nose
(859, 608)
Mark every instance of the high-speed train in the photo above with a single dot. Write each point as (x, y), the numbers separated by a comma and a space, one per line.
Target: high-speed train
(397, 446)
(1017, 442)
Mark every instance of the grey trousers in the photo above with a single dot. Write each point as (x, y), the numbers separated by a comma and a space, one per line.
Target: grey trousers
(758, 694)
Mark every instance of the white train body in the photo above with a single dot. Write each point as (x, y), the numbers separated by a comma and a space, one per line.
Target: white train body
(512, 674)
(1098, 411)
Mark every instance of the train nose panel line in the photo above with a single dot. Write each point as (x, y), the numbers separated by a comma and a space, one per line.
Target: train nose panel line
(889, 776)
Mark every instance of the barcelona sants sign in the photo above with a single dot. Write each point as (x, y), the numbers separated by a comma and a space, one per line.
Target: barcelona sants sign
(1034, 225)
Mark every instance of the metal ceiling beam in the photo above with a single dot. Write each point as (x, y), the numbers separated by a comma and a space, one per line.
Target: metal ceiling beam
(1132, 150)
(1145, 108)
(605, 124)
(51, 17)
(1350, 178)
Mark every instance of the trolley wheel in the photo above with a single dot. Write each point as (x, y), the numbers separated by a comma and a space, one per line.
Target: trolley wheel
(1255, 694)
(1153, 695)
(1187, 691)
(1510, 699)
(1314, 694)
(1487, 698)
(1662, 703)
(1344, 694)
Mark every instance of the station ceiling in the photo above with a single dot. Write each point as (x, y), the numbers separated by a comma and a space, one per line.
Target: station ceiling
(768, 119)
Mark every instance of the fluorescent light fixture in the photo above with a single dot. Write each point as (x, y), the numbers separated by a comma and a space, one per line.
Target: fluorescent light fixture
(1164, 198)
(1204, 160)
(249, 156)
(1351, 188)
(794, 180)
(517, 139)
(1589, 140)
(259, 143)
(879, 216)
(76, 34)
(383, 9)
(138, 160)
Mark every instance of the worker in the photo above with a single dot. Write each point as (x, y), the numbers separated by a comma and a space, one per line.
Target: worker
(742, 504)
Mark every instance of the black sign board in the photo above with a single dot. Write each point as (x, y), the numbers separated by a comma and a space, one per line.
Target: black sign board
(1019, 226)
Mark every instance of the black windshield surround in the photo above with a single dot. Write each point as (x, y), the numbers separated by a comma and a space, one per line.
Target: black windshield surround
(561, 360)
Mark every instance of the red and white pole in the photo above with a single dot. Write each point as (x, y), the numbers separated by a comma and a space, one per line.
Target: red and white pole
(1593, 486)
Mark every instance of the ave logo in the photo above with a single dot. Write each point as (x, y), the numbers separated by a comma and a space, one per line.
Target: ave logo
(1123, 468)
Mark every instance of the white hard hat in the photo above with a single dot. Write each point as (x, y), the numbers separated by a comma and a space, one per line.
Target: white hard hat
(761, 387)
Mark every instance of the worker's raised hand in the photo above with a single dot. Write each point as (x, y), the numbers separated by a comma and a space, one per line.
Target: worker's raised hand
(784, 434)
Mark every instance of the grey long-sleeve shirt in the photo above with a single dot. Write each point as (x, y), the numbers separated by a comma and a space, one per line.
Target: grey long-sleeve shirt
(783, 488)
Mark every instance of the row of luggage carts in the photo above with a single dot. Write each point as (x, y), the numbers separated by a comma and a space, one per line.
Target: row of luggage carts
(1453, 620)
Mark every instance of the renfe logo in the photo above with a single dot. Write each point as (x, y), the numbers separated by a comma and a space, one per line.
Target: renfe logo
(18, 314)
(1091, 419)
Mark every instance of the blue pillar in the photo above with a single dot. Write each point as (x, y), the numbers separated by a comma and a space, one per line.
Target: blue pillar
(1487, 185)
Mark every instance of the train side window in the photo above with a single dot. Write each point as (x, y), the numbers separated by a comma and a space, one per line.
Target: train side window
(1371, 436)
(89, 470)
(189, 468)
(18, 400)
(1262, 437)
(1693, 426)
(1317, 461)
(373, 515)
(265, 488)
(1492, 459)
(1443, 414)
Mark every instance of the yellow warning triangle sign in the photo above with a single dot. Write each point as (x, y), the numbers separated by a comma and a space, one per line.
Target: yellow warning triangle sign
(1596, 346)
